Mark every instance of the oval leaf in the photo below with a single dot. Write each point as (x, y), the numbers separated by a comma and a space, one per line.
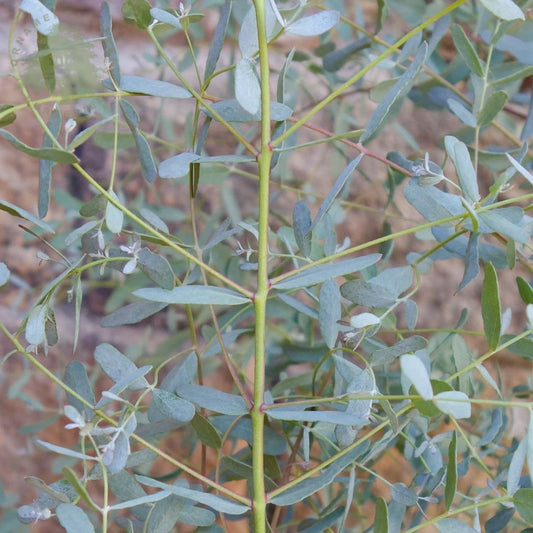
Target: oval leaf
(504, 9)
(314, 24)
(73, 519)
(193, 294)
(453, 403)
(415, 371)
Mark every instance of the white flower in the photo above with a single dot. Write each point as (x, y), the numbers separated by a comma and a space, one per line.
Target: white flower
(132, 250)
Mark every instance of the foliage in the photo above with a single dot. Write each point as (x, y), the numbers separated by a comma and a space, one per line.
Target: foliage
(330, 371)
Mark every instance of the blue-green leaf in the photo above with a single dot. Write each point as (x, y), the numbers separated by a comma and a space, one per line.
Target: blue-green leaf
(314, 24)
(35, 325)
(490, 307)
(329, 312)
(76, 378)
(452, 524)
(45, 165)
(157, 268)
(301, 219)
(466, 174)
(4, 274)
(390, 104)
(193, 294)
(45, 21)
(318, 274)
(132, 313)
(339, 184)
(402, 494)
(117, 366)
(387, 355)
(163, 89)
(222, 505)
(114, 217)
(332, 417)
(453, 403)
(247, 88)
(213, 399)
(164, 16)
(231, 111)
(108, 42)
(50, 154)
(64, 451)
(306, 487)
(73, 519)
(177, 166)
(13, 209)
(504, 9)
(471, 261)
(217, 42)
(516, 466)
(172, 406)
(415, 372)
(467, 50)
(492, 106)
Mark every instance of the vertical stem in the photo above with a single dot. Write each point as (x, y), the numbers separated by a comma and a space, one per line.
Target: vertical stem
(264, 161)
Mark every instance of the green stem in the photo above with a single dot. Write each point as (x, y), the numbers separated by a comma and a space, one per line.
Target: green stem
(260, 299)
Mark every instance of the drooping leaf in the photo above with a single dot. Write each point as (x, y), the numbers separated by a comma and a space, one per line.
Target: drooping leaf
(114, 217)
(504, 9)
(73, 519)
(336, 59)
(516, 466)
(213, 399)
(248, 42)
(143, 148)
(415, 371)
(117, 366)
(44, 19)
(141, 500)
(432, 203)
(466, 174)
(329, 312)
(389, 106)
(76, 378)
(247, 88)
(193, 294)
(451, 473)
(314, 24)
(318, 274)
(35, 325)
(336, 189)
(217, 42)
(50, 154)
(471, 261)
(411, 314)
(367, 294)
(108, 42)
(301, 219)
(490, 307)
(218, 503)
(466, 49)
(163, 89)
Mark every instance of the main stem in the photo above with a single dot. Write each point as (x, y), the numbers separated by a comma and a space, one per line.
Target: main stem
(264, 160)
